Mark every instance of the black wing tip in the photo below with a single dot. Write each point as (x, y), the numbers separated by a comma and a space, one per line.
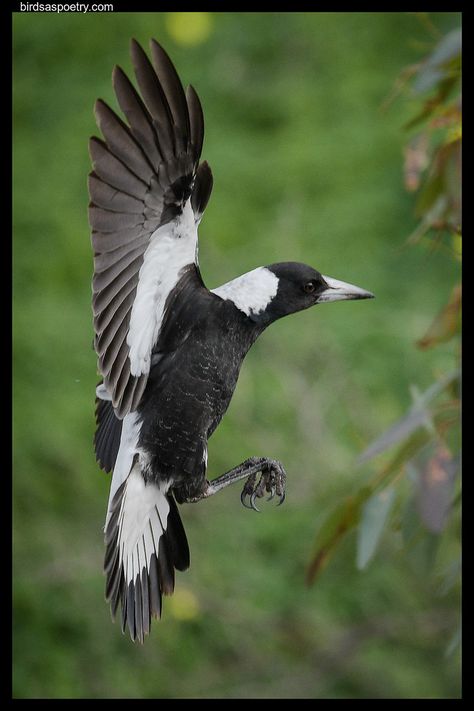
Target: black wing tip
(202, 188)
(135, 43)
(191, 90)
(101, 104)
(99, 107)
(206, 171)
(107, 435)
(155, 45)
(118, 73)
(136, 50)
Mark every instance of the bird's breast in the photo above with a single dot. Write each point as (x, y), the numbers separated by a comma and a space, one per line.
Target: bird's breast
(186, 398)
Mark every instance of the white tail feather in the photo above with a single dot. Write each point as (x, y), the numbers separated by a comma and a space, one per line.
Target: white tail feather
(142, 519)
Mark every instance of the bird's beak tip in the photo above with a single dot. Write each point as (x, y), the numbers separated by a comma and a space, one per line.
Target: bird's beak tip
(342, 291)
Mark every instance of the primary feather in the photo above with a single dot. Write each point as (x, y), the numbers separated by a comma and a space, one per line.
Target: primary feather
(148, 192)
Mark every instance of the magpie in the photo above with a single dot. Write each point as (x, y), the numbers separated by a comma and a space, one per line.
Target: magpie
(169, 349)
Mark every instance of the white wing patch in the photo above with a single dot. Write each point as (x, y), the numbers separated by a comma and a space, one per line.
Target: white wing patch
(251, 292)
(172, 247)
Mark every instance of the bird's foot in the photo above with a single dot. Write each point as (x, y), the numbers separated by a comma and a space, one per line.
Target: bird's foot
(271, 479)
(262, 475)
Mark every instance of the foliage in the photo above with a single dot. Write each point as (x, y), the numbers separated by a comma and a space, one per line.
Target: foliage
(427, 457)
(306, 167)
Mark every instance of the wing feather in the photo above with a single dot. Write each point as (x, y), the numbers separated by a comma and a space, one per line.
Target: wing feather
(110, 221)
(105, 289)
(196, 120)
(121, 142)
(139, 119)
(124, 295)
(107, 242)
(173, 91)
(155, 100)
(112, 171)
(112, 199)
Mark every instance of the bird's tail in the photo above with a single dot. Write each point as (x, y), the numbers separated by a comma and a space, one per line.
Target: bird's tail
(145, 543)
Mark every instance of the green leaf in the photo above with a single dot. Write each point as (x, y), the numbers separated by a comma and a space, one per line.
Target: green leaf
(454, 643)
(434, 69)
(416, 417)
(346, 515)
(344, 518)
(399, 431)
(432, 190)
(372, 521)
(448, 48)
(451, 577)
(434, 215)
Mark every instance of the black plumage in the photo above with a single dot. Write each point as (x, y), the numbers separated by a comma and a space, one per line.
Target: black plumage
(169, 349)
(107, 434)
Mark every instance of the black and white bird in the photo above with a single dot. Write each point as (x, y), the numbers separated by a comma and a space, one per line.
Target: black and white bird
(169, 349)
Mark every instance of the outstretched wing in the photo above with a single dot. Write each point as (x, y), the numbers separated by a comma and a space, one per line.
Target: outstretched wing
(147, 195)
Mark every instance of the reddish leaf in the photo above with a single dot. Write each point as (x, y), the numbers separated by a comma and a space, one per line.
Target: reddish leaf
(446, 323)
(436, 489)
(416, 160)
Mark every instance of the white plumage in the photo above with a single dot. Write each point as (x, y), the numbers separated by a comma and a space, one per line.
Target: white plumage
(142, 521)
(172, 247)
(251, 292)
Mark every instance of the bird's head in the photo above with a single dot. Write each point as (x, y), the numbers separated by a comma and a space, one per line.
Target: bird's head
(267, 293)
(298, 286)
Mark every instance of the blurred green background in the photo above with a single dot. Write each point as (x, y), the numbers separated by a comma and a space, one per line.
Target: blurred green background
(308, 167)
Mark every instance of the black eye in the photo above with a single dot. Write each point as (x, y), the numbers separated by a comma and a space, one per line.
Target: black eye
(309, 287)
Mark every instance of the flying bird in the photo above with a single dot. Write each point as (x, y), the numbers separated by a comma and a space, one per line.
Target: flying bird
(169, 349)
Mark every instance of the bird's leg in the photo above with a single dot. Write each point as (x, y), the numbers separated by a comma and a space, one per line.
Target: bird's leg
(272, 479)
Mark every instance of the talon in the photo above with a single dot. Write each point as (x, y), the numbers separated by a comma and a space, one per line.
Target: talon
(272, 480)
(252, 502)
(242, 499)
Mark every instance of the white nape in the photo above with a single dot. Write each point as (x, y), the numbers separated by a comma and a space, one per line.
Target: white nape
(251, 292)
(172, 247)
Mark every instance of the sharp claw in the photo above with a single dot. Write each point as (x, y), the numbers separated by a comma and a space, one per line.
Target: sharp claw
(252, 502)
(242, 499)
(272, 481)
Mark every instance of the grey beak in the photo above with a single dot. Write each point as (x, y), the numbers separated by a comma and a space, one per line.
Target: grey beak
(341, 290)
